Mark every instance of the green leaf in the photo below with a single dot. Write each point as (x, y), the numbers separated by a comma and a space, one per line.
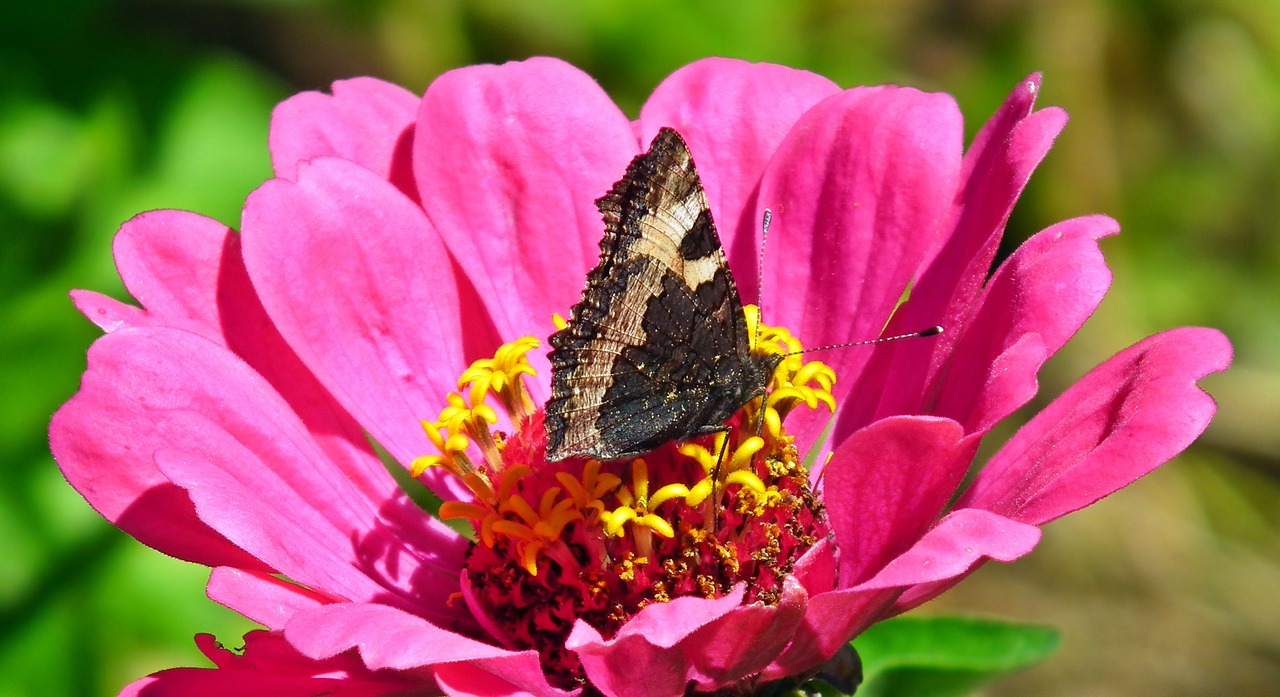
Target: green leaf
(946, 656)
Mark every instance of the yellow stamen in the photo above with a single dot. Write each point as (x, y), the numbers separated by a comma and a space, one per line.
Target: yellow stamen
(699, 492)
(553, 524)
(529, 557)
(526, 510)
(511, 478)
(700, 454)
(795, 381)
(501, 375)
(667, 493)
(657, 524)
(636, 508)
(475, 420)
(815, 371)
(640, 478)
(594, 485)
(743, 454)
(453, 458)
(516, 504)
(457, 510)
(512, 529)
(747, 479)
(738, 468)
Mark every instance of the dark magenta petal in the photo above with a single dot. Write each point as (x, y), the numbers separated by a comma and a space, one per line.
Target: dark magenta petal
(995, 170)
(646, 658)
(1122, 420)
(365, 121)
(886, 485)
(860, 189)
(949, 550)
(746, 640)
(495, 678)
(711, 643)
(1035, 301)
(509, 161)
(733, 114)
(830, 621)
(268, 667)
(954, 546)
(816, 570)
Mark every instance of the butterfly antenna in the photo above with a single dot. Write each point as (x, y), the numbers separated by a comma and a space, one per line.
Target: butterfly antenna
(755, 332)
(931, 331)
(764, 239)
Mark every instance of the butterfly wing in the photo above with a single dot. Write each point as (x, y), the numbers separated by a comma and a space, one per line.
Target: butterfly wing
(648, 352)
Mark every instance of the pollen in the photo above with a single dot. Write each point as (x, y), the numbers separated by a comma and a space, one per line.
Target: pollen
(592, 541)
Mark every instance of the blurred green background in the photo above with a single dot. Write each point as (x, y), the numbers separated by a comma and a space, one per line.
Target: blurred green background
(112, 107)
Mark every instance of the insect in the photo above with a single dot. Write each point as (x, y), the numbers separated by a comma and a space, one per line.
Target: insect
(657, 349)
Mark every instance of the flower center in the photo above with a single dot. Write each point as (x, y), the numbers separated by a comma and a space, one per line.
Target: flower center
(598, 541)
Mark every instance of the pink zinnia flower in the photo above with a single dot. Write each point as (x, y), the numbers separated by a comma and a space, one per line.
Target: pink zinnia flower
(228, 420)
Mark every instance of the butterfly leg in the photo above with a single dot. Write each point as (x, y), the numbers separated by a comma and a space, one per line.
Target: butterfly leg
(713, 511)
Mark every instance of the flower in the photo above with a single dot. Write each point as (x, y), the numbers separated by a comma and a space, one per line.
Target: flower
(229, 419)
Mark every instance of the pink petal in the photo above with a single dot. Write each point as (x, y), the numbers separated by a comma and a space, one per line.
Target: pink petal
(188, 273)
(647, 657)
(860, 188)
(103, 443)
(1032, 305)
(360, 285)
(509, 160)
(214, 428)
(996, 168)
(746, 640)
(494, 678)
(816, 569)
(366, 121)
(1122, 420)
(886, 485)
(952, 549)
(173, 263)
(387, 638)
(733, 114)
(262, 597)
(107, 313)
(830, 621)
(268, 667)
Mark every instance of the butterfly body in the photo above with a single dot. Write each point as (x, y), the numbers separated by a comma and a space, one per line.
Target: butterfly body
(658, 348)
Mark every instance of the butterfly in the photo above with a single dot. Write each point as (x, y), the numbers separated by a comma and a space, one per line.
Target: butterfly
(658, 348)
